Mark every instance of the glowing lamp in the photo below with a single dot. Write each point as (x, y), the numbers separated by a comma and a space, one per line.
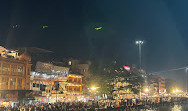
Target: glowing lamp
(147, 89)
(93, 88)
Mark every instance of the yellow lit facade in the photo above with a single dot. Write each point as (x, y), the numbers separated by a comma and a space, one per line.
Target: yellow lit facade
(74, 83)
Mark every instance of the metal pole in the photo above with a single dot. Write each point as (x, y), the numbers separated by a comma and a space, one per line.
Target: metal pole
(140, 54)
(56, 96)
(126, 88)
(186, 79)
(140, 92)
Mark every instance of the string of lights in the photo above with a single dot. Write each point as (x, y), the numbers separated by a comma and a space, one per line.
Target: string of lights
(175, 69)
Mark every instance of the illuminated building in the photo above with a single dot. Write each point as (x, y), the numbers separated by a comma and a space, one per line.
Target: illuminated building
(74, 84)
(8, 53)
(157, 84)
(14, 74)
(170, 85)
(44, 79)
(14, 77)
(122, 93)
(50, 82)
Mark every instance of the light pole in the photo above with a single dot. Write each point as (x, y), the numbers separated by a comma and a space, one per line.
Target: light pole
(94, 91)
(186, 79)
(139, 45)
(147, 92)
(140, 62)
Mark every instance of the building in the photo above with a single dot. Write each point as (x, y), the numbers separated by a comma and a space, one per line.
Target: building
(157, 85)
(74, 85)
(171, 85)
(78, 66)
(15, 77)
(37, 54)
(8, 53)
(51, 83)
(45, 77)
(120, 90)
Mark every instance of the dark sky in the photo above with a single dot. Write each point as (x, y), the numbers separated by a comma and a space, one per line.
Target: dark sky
(162, 24)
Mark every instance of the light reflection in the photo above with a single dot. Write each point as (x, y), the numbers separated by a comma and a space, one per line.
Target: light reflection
(177, 108)
(182, 107)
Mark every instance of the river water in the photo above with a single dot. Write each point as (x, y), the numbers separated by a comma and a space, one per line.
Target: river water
(176, 107)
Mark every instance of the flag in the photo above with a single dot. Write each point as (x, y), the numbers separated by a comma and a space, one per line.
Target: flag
(127, 68)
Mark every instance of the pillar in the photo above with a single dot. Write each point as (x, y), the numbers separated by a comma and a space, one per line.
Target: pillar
(8, 82)
(1, 83)
(1, 68)
(10, 70)
(24, 70)
(23, 81)
(17, 70)
(16, 87)
(80, 88)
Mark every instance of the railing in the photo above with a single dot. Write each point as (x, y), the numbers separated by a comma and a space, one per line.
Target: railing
(74, 81)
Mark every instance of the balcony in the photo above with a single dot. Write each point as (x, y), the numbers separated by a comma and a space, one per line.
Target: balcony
(79, 82)
(75, 92)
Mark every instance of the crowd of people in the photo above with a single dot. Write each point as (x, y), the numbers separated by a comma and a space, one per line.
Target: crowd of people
(107, 105)
(59, 106)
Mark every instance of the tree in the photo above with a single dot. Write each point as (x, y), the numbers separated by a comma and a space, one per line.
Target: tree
(106, 76)
(117, 73)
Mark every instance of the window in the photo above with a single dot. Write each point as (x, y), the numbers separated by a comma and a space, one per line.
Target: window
(84, 70)
(19, 82)
(0, 68)
(70, 63)
(66, 73)
(42, 87)
(70, 79)
(5, 82)
(6, 68)
(37, 85)
(12, 83)
(34, 84)
(79, 80)
(20, 69)
(13, 69)
(28, 71)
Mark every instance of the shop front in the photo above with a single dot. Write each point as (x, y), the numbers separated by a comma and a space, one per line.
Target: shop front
(12, 97)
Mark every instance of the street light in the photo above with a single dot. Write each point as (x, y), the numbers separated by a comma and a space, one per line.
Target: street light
(139, 45)
(186, 78)
(147, 89)
(177, 90)
(147, 92)
(174, 91)
(94, 91)
(93, 88)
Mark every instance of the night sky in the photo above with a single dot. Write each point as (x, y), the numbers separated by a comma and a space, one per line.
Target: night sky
(162, 24)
